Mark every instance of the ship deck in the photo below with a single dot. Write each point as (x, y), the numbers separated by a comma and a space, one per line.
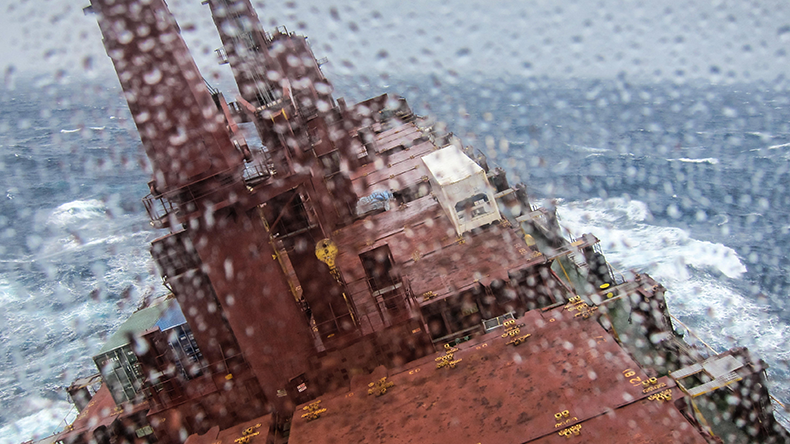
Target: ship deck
(510, 394)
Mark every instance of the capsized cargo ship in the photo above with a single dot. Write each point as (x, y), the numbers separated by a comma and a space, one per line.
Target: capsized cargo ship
(363, 276)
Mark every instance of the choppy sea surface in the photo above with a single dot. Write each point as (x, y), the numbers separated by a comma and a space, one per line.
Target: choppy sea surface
(74, 259)
(688, 183)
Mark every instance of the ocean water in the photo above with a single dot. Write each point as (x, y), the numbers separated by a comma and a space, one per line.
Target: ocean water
(688, 183)
(74, 259)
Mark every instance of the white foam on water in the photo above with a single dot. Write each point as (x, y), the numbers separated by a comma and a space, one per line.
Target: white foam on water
(759, 134)
(626, 234)
(699, 275)
(710, 160)
(100, 270)
(76, 328)
(590, 149)
(83, 224)
(76, 211)
(66, 131)
(48, 418)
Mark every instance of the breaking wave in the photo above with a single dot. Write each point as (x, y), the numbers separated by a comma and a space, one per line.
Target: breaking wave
(710, 160)
(590, 149)
(77, 212)
(700, 276)
(33, 425)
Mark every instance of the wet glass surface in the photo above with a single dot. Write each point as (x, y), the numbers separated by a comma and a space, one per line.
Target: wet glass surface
(661, 128)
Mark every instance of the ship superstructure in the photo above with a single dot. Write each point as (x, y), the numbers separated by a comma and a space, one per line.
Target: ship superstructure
(362, 277)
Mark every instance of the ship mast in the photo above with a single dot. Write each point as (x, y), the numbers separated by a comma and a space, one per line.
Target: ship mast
(252, 333)
(307, 148)
(283, 91)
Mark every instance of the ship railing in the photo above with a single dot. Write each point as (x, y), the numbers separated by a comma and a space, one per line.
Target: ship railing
(161, 206)
(538, 216)
(388, 311)
(597, 248)
(581, 262)
(371, 310)
(463, 335)
(203, 381)
(222, 55)
(777, 412)
(158, 209)
(256, 171)
(389, 301)
(63, 424)
(238, 113)
(337, 325)
(616, 278)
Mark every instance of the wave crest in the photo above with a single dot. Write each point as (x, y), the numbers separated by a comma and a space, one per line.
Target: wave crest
(77, 211)
(710, 160)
